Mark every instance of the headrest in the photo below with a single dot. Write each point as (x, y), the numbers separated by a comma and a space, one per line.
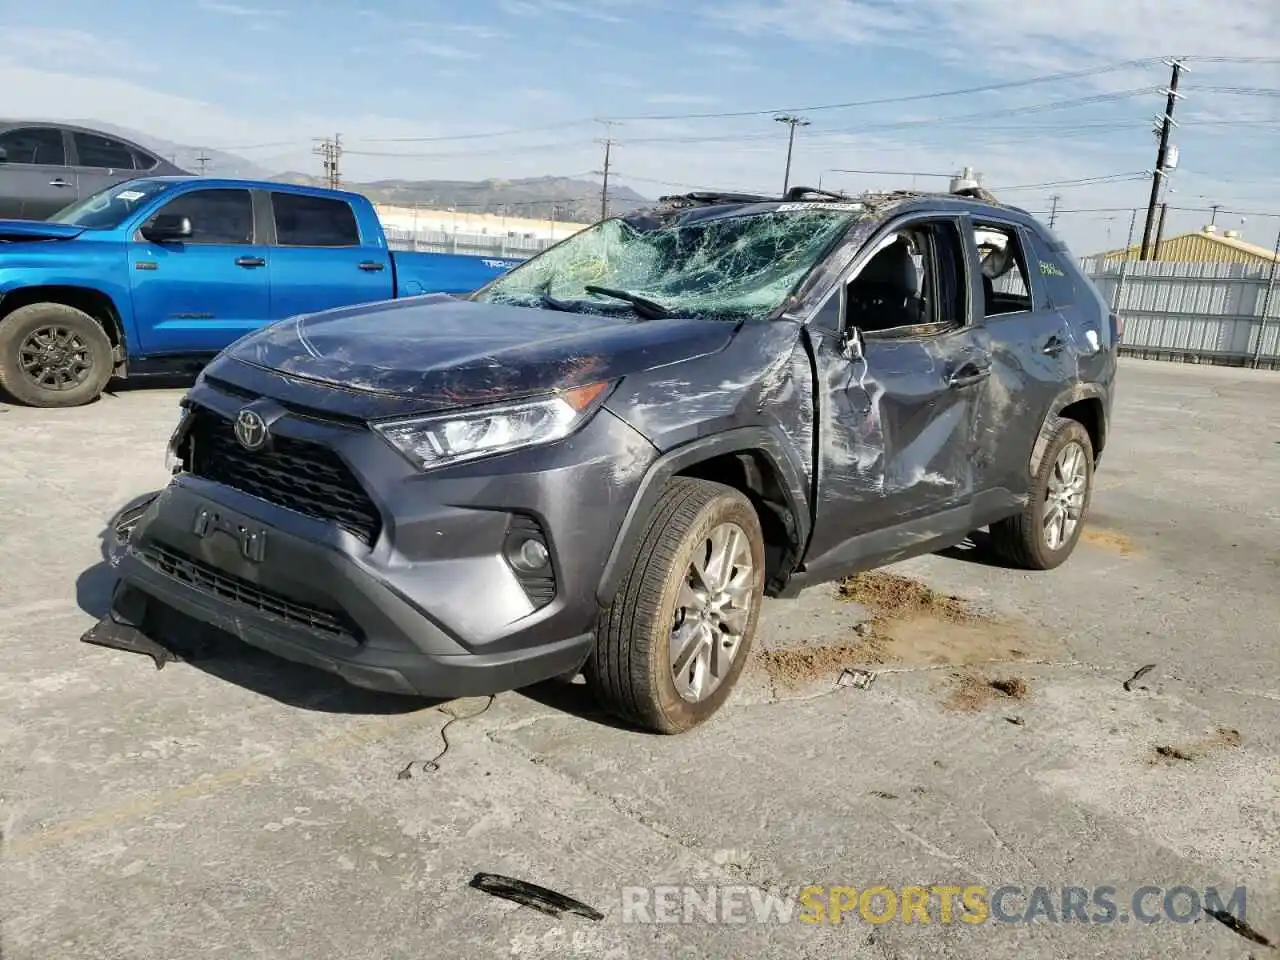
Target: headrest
(893, 267)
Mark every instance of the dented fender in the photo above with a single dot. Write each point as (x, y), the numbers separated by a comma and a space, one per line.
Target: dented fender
(1073, 394)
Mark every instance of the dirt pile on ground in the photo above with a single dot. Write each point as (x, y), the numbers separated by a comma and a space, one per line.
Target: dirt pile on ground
(911, 624)
(972, 692)
(1223, 738)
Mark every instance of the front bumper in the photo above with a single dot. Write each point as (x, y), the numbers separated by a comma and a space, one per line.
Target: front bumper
(430, 604)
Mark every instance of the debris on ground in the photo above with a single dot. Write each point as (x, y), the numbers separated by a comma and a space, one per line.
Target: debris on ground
(1241, 928)
(860, 679)
(1222, 738)
(1138, 675)
(910, 624)
(884, 795)
(1016, 721)
(889, 596)
(972, 692)
(432, 765)
(531, 895)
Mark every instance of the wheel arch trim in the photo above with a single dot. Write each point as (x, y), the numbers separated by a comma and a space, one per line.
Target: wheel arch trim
(1074, 394)
(742, 440)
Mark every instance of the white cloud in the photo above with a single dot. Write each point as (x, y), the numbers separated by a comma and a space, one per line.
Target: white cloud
(237, 10)
(443, 51)
(599, 10)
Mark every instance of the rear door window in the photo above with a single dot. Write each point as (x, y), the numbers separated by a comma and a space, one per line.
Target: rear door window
(305, 221)
(95, 151)
(42, 145)
(1055, 272)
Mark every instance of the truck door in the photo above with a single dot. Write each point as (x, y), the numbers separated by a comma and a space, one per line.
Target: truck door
(899, 376)
(35, 181)
(318, 261)
(198, 295)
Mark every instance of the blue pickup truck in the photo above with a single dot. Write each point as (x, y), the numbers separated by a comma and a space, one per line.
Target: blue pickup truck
(157, 275)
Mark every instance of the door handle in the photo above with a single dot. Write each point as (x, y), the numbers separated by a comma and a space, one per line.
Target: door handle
(58, 182)
(1053, 346)
(250, 262)
(370, 265)
(968, 374)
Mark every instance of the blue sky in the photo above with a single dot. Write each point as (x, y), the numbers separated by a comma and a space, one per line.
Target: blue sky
(267, 79)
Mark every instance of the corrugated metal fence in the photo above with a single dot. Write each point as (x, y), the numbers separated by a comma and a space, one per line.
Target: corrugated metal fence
(1223, 313)
(473, 244)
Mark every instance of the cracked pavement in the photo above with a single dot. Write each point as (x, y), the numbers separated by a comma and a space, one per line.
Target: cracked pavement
(249, 808)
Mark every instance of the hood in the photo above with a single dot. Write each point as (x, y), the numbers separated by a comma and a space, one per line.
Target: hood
(18, 230)
(437, 352)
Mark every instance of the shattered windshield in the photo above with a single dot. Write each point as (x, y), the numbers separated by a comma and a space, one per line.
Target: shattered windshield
(690, 263)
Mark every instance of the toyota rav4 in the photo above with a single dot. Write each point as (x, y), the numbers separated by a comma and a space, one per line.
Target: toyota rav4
(604, 459)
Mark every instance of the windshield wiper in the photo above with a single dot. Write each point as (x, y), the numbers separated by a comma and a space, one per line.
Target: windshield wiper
(649, 309)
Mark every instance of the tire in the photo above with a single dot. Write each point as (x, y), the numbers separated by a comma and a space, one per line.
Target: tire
(80, 350)
(630, 668)
(1022, 540)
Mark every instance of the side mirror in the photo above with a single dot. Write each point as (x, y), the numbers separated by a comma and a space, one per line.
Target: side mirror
(167, 226)
(4, 155)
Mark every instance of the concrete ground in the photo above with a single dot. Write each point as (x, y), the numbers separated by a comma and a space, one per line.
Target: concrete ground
(248, 808)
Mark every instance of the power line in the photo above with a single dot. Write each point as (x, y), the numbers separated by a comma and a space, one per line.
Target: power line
(1080, 182)
(912, 98)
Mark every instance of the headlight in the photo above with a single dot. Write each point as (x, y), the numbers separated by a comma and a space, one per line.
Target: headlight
(436, 441)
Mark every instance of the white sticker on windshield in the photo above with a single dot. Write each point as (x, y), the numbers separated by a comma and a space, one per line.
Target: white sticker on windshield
(130, 195)
(817, 205)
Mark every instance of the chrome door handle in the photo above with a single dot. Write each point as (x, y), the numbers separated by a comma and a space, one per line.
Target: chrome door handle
(1053, 346)
(59, 182)
(968, 374)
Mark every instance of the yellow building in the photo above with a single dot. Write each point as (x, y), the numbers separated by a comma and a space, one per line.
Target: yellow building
(1206, 246)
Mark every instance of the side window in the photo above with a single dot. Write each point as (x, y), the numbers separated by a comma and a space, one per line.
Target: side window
(1055, 271)
(34, 145)
(217, 216)
(916, 278)
(143, 161)
(303, 221)
(1005, 286)
(95, 151)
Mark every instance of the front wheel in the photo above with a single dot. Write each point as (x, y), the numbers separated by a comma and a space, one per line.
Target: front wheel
(1048, 529)
(678, 633)
(53, 355)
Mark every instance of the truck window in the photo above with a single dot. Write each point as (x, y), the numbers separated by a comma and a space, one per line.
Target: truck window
(34, 145)
(216, 215)
(1055, 272)
(1005, 285)
(303, 221)
(95, 151)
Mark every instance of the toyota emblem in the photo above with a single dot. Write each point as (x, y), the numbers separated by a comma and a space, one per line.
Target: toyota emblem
(251, 429)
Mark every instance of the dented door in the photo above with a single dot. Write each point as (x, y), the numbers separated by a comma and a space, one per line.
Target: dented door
(896, 437)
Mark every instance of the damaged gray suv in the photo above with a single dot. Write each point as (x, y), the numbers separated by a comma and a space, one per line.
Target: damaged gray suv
(603, 460)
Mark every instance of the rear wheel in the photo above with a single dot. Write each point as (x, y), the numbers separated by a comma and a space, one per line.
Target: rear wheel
(53, 355)
(678, 633)
(1048, 529)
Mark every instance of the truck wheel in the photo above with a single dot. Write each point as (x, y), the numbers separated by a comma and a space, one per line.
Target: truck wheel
(1047, 530)
(52, 355)
(674, 641)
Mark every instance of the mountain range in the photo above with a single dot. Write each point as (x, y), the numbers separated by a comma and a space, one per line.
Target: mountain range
(543, 198)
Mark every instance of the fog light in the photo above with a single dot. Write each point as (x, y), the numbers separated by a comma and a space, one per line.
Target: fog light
(531, 555)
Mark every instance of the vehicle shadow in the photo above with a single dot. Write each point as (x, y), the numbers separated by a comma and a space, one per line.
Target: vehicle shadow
(221, 655)
(976, 549)
(154, 381)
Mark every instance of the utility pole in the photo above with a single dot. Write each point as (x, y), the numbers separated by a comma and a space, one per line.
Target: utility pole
(608, 154)
(202, 160)
(1213, 213)
(1053, 209)
(1162, 155)
(1155, 247)
(791, 121)
(330, 151)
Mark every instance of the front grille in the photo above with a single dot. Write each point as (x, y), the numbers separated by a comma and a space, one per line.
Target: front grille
(209, 579)
(305, 477)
